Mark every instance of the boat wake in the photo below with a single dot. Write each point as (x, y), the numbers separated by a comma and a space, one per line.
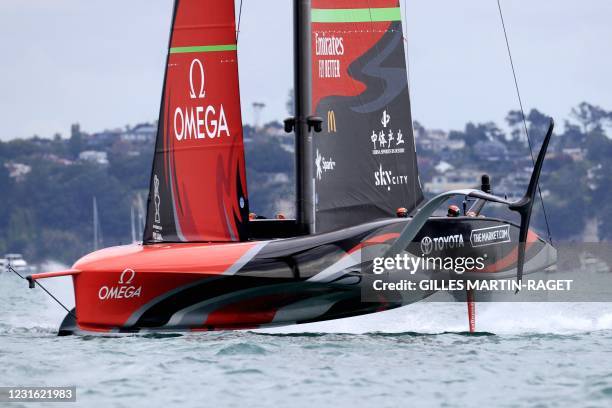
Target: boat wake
(498, 318)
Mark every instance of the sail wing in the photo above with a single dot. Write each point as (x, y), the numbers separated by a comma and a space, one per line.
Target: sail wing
(365, 159)
(198, 183)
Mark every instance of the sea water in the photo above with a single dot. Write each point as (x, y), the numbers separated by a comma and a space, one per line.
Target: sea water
(525, 354)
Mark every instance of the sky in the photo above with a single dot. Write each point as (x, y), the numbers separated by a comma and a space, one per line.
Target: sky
(101, 62)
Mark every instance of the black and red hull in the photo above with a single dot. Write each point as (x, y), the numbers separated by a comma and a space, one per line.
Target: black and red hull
(192, 287)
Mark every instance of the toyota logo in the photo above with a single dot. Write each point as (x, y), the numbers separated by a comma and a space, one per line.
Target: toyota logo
(426, 245)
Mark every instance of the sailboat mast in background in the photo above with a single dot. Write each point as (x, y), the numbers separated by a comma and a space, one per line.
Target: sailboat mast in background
(132, 223)
(97, 230)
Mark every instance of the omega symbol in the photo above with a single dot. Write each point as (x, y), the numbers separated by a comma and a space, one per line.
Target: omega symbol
(129, 274)
(192, 92)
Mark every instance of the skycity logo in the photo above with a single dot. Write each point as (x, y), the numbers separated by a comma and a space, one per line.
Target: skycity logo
(323, 165)
(199, 122)
(386, 178)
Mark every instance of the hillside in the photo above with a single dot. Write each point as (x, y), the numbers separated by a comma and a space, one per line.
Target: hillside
(48, 184)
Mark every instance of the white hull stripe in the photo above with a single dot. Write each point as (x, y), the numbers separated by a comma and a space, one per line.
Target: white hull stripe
(337, 269)
(244, 259)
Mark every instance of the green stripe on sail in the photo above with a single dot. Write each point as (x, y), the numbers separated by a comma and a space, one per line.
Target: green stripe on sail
(203, 48)
(363, 15)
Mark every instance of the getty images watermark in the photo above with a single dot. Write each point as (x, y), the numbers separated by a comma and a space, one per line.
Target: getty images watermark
(459, 265)
(404, 263)
(444, 271)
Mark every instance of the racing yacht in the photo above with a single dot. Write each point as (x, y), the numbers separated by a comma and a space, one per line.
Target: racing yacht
(205, 265)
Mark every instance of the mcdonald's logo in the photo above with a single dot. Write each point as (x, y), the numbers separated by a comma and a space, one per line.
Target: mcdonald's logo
(331, 121)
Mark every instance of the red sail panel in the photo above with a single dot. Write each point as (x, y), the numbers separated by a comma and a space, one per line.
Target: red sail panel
(198, 186)
(365, 160)
(348, 40)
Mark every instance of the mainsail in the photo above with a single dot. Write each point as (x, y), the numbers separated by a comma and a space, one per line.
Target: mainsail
(198, 183)
(365, 159)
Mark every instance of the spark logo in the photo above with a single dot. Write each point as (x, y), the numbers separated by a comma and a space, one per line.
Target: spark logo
(323, 165)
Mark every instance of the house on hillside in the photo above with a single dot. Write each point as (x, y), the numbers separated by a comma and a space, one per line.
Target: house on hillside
(437, 141)
(577, 154)
(17, 171)
(94, 156)
(454, 180)
(103, 139)
(141, 133)
(491, 150)
(53, 158)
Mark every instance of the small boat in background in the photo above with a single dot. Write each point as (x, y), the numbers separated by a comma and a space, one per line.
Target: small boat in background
(16, 262)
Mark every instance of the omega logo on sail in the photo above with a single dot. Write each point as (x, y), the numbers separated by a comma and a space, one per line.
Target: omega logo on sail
(199, 122)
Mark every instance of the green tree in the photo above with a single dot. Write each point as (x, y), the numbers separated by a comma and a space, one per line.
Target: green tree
(590, 116)
(481, 132)
(572, 136)
(598, 146)
(605, 222)
(537, 124)
(6, 191)
(514, 119)
(567, 204)
(133, 171)
(76, 144)
(21, 232)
